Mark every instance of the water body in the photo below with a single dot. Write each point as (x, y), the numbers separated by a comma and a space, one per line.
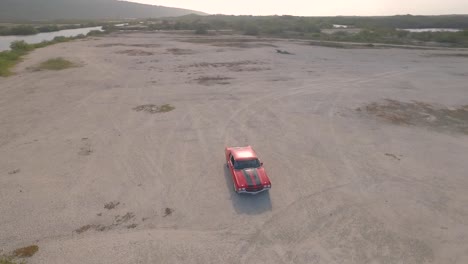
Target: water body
(5, 41)
(432, 29)
(340, 26)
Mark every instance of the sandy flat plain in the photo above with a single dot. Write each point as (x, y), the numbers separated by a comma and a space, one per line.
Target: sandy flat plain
(367, 151)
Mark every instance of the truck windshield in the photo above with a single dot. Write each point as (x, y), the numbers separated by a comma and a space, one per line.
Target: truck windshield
(245, 164)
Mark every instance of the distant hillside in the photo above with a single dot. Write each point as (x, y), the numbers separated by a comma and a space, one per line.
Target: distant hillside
(15, 10)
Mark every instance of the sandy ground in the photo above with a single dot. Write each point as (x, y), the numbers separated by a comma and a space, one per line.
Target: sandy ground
(89, 179)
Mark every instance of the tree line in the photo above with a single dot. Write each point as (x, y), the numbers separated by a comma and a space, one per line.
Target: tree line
(371, 29)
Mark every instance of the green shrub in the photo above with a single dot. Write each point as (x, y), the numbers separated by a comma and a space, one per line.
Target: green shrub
(20, 45)
(7, 60)
(9, 260)
(22, 30)
(60, 39)
(48, 28)
(41, 44)
(252, 30)
(201, 29)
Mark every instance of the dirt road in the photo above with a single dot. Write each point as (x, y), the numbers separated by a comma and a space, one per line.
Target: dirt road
(91, 171)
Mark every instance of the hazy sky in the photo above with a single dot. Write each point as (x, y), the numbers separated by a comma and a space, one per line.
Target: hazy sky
(319, 7)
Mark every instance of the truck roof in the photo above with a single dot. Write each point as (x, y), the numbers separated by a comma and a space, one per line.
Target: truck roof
(243, 153)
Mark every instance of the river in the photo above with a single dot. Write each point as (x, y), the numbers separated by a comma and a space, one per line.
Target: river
(432, 29)
(5, 41)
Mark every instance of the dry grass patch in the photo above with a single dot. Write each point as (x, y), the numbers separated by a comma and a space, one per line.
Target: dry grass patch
(124, 218)
(85, 149)
(135, 52)
(421, 114)
(168, 211)
(99, 228)
(180, 51)
(108, 45)
(55, 64)
(111, 205)
(212, 80)
(132, 226)
(20, 253)
(243, 45)
(235, 66)
(25, 252)
(150, 45)
(250, 69)
(224, 64)
(118, 221)
(284, 52)
(232, 42)
(342, 45)
(462, 55)
(463, 74)
(10, 260)
(14, 171)
(154, 109)
(392, 156)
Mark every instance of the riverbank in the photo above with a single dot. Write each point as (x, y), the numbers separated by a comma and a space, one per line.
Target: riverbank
(7, 29)
(8, 59)
(5, 41)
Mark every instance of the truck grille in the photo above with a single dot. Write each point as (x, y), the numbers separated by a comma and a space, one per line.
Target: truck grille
(254, 189)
